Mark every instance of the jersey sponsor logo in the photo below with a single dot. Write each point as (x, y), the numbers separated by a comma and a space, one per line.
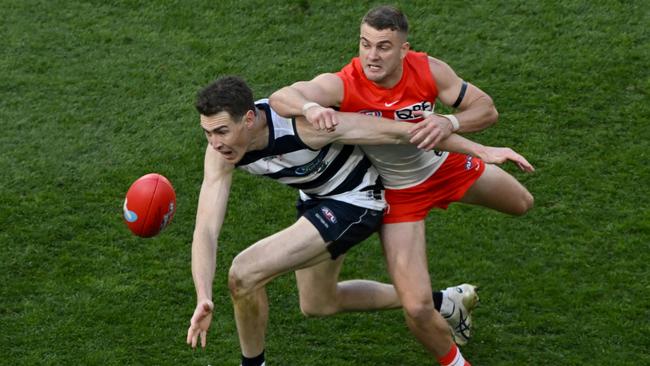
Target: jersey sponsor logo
(317, 165)
(129, 215)
(329, 215)
(391, 104)
(407, 113)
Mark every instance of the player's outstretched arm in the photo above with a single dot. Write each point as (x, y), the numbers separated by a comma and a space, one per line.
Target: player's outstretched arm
(361, 129)
(311, 99)
(500, 155)
(460, 144)
(355, 129)
(213, 199)
(489, 154)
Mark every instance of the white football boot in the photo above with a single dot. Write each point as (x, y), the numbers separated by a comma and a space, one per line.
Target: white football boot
(457, 305)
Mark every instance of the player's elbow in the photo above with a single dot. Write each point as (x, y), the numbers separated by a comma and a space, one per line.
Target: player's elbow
(491, 114)
(279, 96)
(484, 113)
(275, 100)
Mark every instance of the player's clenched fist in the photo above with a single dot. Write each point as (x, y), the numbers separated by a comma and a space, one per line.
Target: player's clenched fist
(320, 117)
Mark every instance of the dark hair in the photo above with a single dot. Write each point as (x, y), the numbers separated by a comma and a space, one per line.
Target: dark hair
(230, 94)
(387, 17)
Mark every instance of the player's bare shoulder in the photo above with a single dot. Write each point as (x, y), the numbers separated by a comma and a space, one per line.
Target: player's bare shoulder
(444, 75)
(436, 62)
(328, 80)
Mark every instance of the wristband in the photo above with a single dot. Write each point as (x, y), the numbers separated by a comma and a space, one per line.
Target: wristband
(455, 125)
(308, 105)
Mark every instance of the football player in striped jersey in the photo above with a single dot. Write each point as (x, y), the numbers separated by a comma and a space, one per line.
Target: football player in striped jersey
(341, 203)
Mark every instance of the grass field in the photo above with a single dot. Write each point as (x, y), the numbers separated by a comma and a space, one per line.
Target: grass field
(94, 94)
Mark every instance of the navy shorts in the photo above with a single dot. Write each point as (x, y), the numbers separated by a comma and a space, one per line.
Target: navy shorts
(341, 224)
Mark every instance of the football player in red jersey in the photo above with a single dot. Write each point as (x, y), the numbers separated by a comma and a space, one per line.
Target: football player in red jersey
(388, 79)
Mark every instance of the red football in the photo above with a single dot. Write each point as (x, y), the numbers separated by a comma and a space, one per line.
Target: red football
(149, 205)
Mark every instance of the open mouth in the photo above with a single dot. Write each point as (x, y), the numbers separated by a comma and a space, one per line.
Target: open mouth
(228, 154)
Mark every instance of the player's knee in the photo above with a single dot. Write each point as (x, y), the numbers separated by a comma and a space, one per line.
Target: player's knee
(418, 310)
(423, 313)
(526, 203)
(530, 201)
(235, 282)
(240, 281)
(311, 307)
(313, 310)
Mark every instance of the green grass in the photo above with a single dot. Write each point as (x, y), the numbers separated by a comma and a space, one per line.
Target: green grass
(94, 94)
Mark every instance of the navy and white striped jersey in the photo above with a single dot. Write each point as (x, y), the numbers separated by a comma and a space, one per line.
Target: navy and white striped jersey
(340, 172)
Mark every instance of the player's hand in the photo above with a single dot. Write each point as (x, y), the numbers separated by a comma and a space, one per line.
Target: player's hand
(322, 118)
(200, 323)
(429, 132)
(499, 155)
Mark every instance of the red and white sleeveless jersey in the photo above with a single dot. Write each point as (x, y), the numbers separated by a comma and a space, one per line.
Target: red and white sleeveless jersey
(400, 166)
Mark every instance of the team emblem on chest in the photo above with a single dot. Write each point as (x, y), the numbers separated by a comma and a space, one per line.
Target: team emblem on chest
(407, 113)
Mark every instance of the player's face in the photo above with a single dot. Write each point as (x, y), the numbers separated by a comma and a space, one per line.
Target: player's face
(228, 137)
(381, 53)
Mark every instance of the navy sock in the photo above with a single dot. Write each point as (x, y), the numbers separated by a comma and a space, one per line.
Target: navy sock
(255, 361)
(437, 300)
